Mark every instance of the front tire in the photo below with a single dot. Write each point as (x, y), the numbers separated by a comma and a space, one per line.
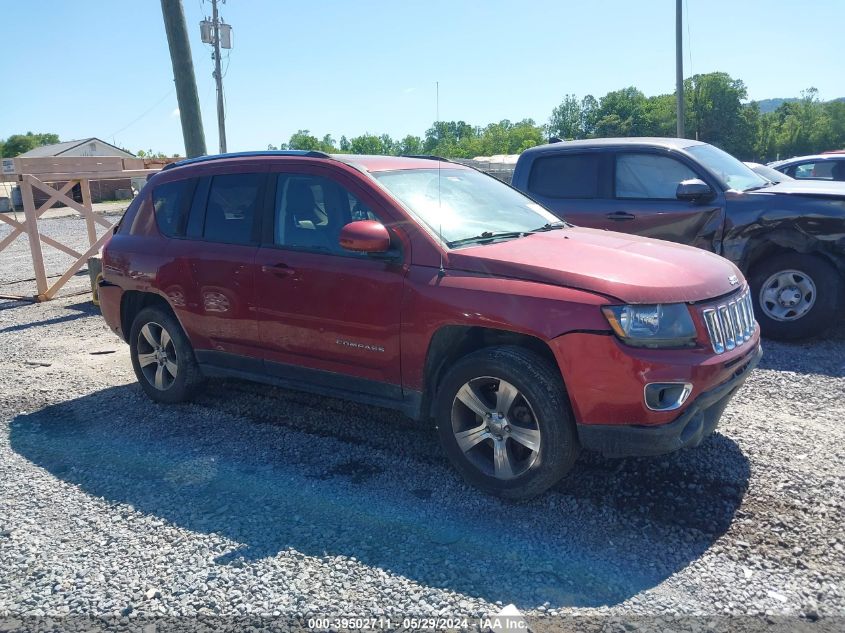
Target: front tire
(795, 296)
(504, 422)
(162, 357)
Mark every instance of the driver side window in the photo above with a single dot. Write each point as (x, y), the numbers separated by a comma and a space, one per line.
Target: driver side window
(649, 176)
(310, 211)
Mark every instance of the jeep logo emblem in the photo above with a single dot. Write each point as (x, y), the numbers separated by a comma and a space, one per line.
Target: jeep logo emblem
(733, 280)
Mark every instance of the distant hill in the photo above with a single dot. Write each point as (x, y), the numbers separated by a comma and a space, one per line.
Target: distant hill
(770, 105)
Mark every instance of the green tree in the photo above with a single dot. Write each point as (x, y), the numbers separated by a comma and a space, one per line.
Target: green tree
(409, 146)
(302, 139)
(715, 113)
(328, 145)
(388, 145)
(621, 113)
(366, 144)
(589, 110)
(567, 120)
(17, 144)
(148, 153)
(660, 116)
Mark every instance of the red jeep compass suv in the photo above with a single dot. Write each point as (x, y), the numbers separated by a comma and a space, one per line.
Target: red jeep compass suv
(431, 288)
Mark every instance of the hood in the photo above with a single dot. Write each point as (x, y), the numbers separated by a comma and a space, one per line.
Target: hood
(825, 188)
(627, 267)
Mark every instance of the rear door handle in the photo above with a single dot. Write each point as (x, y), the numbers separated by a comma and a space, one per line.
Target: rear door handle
(280, 269)
(620, 215)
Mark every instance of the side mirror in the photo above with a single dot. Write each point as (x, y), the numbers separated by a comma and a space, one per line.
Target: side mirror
(365, 236)
(694, 190)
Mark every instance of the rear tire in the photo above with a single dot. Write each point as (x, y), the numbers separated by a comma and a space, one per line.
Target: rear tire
(525, 450)
(162, 357)
(795, 296)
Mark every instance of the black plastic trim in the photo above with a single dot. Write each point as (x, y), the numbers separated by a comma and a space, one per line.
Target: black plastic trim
(256, 154)
(332, 384)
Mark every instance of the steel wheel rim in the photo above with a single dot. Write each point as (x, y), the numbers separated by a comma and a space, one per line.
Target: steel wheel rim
(495, 427)
(156, 355)
(787, 295)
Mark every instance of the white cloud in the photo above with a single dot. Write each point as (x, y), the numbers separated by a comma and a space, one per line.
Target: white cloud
(175, 112)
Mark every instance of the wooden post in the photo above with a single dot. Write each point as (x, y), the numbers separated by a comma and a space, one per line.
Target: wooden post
(85, 185)
(34, 238)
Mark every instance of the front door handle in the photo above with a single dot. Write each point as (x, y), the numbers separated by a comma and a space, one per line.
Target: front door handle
(280, 269)
(620, 215)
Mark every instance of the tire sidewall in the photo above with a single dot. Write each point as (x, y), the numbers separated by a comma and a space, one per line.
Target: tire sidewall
(179, 390)
(558, 446)
(823, 313)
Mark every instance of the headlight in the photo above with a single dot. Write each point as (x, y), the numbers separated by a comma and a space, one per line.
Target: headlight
(660, 325)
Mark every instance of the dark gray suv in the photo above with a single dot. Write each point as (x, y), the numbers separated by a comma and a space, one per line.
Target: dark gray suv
(787, 238)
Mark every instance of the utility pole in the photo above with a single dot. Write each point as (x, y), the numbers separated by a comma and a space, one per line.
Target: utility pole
(183, 76)
(679, 68)
(218, 77)
(219, 34)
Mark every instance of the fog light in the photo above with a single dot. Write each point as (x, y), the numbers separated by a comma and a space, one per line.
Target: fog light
(666, 396)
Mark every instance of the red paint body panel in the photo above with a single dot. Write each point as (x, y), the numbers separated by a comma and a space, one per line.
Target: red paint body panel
(212, 291)
(310, 307)
(367, 236)
(374, 319)
(602, 376)
(432, 301)
(627, 267)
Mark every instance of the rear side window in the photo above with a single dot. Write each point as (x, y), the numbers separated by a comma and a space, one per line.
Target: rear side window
(233, 203)
(565, 176)
(823, 170)
(170, 202)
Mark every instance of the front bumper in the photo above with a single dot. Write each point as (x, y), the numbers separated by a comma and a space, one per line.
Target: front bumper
(689, 429)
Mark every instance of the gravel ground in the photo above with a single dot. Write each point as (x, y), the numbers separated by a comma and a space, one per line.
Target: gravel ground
(259, 502)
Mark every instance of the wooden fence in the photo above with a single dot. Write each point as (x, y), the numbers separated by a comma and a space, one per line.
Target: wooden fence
(37, 173)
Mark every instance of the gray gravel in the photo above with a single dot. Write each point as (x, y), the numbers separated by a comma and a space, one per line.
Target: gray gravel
(262, 502)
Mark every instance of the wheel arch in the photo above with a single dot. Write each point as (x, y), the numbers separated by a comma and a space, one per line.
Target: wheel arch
(452, 342)
(133, 301)
(794, 242)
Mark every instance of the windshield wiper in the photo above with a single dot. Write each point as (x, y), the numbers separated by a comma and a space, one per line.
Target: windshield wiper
(550, 226)
(487, 236)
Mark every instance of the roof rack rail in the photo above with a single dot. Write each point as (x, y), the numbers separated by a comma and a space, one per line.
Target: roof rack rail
(428, 157)
(256, 154)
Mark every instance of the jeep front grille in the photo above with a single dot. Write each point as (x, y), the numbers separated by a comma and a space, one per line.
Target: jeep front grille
(730, 324)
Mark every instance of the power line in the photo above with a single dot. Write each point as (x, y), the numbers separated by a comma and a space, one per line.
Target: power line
(143, 114)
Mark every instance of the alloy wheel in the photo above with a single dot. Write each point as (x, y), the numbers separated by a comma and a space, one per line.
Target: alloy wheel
(156, 356)
(495, 427)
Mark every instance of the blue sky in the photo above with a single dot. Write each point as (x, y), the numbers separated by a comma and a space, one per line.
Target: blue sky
(371, 66)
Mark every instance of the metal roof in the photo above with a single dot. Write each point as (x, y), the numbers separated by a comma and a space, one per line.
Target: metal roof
(57, 149)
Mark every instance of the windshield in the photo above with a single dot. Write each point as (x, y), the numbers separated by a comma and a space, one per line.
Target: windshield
(460, 204)
(731, 172)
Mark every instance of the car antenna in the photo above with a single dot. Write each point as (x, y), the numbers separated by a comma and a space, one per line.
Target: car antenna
(442, 271)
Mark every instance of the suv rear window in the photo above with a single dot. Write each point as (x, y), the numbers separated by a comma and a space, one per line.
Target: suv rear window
(233, 203)
(170, 202)
(565, 176)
